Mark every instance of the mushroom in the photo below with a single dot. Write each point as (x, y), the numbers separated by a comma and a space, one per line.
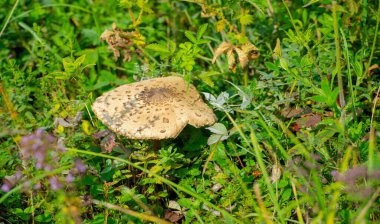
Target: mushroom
(154, 109)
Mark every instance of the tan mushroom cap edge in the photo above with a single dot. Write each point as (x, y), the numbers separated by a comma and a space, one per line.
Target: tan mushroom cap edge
(158, 108)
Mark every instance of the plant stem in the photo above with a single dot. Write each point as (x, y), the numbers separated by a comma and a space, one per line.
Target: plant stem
(9, 17)
(374, 39)
(353, 97)
(338, 55)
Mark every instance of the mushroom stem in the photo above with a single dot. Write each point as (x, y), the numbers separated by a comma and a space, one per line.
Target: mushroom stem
(156, 145)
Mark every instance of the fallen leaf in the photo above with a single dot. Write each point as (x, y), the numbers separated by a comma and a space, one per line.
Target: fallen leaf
(306, 121)
(373, 67)
(173, 216)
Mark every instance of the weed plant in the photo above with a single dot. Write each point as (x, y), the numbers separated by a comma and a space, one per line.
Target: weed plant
(295, 86)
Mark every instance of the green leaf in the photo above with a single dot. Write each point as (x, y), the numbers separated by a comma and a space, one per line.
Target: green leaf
(325, 87)
(201, 31)
(185, 202)
(246, 19)
(172, 46)
(286, 194)
(203, 41)
(79, 61)
(191, 37)
(320, 99)
(205, 77)
(284, 64)
(158, 48)
(271, 66)
(218, 128)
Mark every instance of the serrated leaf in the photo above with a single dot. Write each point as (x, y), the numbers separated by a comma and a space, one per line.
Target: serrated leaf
(158, 48)
(207, 80)
(246, 19)
(79, 61)
(203, 41)
(172, 46)
(201, 31)
(191, 37)
(205, 77)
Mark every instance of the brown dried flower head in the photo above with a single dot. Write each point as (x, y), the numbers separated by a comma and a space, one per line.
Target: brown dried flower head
(245, 53)
(126, 42)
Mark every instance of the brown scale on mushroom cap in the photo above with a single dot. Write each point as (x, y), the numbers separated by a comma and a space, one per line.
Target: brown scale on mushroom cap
(158, 108)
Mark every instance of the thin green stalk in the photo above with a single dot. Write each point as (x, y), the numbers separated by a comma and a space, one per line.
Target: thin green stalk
(374, 39)
(353, 97)
(360, 218)
(274, 139)
(372, 137)
(9, 17)
(245, 73)
(257, 149)
(240, 132)
(164, 180)
(338, 55)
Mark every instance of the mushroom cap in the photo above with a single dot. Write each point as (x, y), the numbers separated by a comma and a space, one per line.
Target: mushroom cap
(158, 108)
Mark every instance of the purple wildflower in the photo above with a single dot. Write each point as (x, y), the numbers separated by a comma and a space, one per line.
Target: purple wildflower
(37, 186)
(55, 184)
(40, 147)
(70, 178)
(10, 181)
(79, 165)
(6, 187)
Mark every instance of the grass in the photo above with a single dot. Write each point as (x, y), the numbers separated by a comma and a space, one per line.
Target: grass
(297, 138)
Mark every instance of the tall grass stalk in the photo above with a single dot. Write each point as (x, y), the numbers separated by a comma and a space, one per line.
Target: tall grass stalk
(347, 56)
(259, 157)
(338, 55)
(9, 18)
(374, 38)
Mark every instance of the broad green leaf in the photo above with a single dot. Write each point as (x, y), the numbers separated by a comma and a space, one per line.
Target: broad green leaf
(271, 66)
(218, 128)
(320, 99)
(284, 64)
